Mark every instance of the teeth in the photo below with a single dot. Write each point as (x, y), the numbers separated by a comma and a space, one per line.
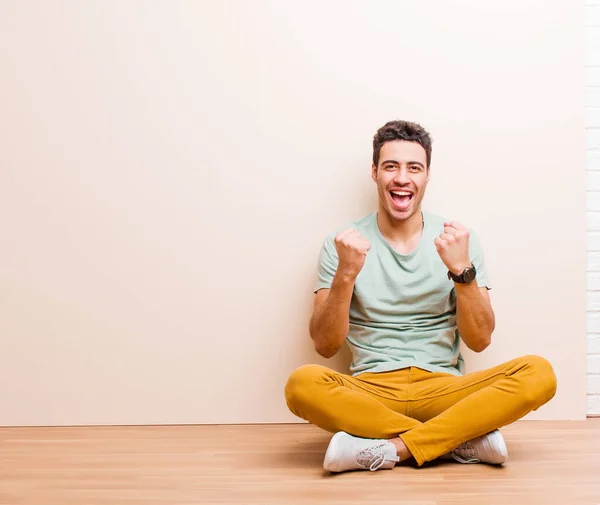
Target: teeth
(401, 193)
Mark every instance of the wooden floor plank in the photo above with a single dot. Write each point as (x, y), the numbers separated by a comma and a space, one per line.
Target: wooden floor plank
(550, 462)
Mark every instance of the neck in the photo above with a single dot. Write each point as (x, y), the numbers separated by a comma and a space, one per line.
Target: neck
(400, 231)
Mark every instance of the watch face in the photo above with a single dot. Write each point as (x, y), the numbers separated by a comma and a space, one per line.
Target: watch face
(469, 274)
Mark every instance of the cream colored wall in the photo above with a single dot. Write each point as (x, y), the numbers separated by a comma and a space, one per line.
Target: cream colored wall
(169, 170)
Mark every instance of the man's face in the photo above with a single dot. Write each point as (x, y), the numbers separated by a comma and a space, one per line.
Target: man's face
(401, 178)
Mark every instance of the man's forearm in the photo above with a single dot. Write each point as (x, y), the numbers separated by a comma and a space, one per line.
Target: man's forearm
(329, 326)
(474, 316)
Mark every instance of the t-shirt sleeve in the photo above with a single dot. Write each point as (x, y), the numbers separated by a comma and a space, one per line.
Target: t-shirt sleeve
(476, 252)
(328, 262)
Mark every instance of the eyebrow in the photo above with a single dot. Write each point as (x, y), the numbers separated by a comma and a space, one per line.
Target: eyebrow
(408, 163)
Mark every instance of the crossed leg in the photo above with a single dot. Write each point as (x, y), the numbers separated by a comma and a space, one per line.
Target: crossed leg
(431, 413)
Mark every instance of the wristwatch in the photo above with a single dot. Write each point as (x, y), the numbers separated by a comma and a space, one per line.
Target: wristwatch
(467, 275)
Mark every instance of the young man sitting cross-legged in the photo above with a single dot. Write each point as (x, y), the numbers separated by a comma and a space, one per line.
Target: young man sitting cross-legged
(402, 286)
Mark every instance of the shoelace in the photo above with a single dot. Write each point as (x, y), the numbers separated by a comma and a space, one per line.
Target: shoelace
(465, 453)
(371, 458)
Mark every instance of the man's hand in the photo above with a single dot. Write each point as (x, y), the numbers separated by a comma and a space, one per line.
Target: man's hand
(352, 249)
(453, 247)
(329, 324)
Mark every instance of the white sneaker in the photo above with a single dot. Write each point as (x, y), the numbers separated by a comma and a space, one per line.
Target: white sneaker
(489, 448)
(346, 452)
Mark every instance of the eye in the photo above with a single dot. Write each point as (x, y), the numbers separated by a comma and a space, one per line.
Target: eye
(414, 168)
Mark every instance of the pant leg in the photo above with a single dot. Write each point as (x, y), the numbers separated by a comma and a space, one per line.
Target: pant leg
(339, 402)
(462, 408)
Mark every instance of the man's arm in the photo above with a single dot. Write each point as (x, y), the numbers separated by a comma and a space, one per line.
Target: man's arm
(330, 319)
(475, 318)
(329, 323)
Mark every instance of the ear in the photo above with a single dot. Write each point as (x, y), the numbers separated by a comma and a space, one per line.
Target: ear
(373, 172)
(428, 174)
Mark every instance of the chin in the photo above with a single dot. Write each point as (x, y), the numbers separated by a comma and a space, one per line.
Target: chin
(401, 215)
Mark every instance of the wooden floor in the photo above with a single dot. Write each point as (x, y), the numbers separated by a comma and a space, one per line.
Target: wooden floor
(550, 462)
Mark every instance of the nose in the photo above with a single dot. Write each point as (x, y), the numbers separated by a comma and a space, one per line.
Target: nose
(401, 177)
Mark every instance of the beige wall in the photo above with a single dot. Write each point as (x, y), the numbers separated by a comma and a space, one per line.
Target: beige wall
(169, 169)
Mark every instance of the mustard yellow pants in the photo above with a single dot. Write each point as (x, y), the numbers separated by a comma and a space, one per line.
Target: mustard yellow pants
(432, 413)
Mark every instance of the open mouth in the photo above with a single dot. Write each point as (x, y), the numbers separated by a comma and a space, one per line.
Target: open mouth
(401, 199)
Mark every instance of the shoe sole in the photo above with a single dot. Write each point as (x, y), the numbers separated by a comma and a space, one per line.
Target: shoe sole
(501, 446)
(330, 455)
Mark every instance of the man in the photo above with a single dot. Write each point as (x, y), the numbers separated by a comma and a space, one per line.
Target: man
(402, 286)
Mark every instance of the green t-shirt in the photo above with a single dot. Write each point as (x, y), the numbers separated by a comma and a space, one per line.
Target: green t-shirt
(403, 310)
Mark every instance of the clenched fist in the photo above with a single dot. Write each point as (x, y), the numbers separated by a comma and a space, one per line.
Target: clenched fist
(352, 249)
(453, 247)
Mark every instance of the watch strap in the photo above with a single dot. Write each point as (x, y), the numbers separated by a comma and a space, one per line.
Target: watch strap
(461, 278)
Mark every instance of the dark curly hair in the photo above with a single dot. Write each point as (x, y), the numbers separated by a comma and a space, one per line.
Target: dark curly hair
(401, 130)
